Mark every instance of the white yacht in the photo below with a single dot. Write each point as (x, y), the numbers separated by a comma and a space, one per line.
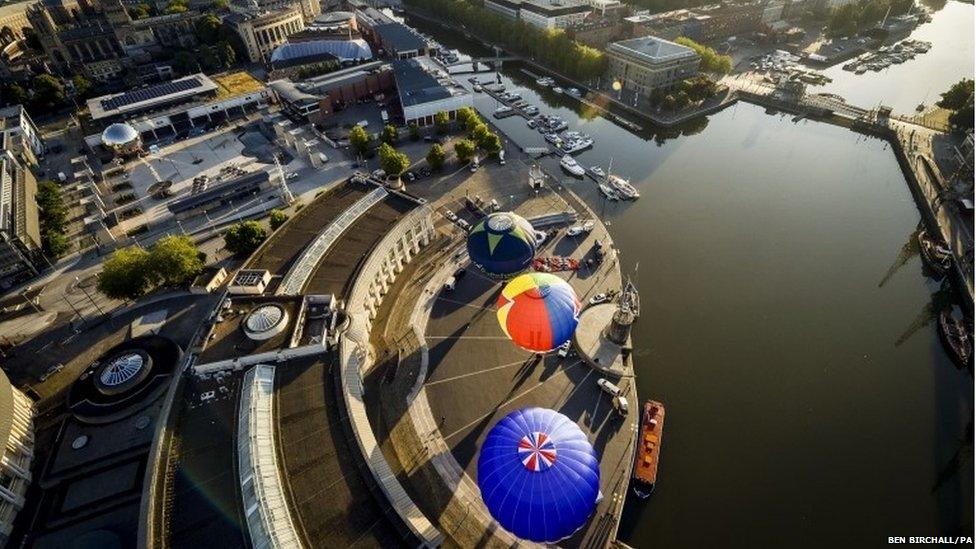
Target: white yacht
(599, 172)
(572, 166)
(622, 187)
(608, 192)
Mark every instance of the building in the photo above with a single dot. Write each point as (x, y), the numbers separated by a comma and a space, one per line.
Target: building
(643, 65)
(100, 40)
(702, 24)
(19, 135)
(17, 430)
(546, 14)
(424, 90)
(20, 233)
(173, 108)
(554, 14)
(294, 59)
(315, 99)
(14, 17)
(220, 195)
(399, 41)
(265, 31)
(597, 33)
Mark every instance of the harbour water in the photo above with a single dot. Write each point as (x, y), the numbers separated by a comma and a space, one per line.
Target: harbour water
(903, 87)
(810, 402)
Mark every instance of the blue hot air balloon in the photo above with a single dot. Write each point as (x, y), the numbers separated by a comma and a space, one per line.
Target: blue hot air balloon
(538, 474)
(502, 244)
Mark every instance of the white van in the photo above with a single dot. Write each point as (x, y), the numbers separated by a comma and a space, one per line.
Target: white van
(449, 285)
(621, 405)
(608, 387)
(385, 116)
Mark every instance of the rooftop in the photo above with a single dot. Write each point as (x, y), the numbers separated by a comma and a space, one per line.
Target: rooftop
(302, 52)
(555, 7)
(653, 49)
(236, 83)
(150, 97)
(417, 82)
(400, 37)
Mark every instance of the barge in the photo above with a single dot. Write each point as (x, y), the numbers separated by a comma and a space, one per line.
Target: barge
(648, 449)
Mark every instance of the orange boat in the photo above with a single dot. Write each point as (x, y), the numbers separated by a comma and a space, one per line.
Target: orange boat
(648, 448)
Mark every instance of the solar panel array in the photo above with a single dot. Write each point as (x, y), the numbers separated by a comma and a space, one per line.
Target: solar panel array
(152, 92)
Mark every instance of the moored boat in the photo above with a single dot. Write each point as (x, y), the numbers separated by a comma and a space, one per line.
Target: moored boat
(598, 171)
(935, 256)
(572, 166)
(608, 192)
(622, 187)
(648, 450)
(957, 339)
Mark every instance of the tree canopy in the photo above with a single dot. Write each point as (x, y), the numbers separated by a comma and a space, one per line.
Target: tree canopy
(359, 140)
(125, 274)
(553, 48)
(850, 19)
(390, 134)
(465, 150)
(53, 215)
(441, 120)
(277, 219)
(244, 237)
(959, 99)
(436, 157)
(174, 260)
(392, 161)
(711, 61)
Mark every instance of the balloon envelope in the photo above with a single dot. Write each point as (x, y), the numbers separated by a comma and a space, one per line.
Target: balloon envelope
(502, 244)
(538, 311)
(538, 474)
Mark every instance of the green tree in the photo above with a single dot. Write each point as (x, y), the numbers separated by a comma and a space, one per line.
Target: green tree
(711, 61)
(244, 237)
(490, 143)
(15, 94)
(176, 6)
(174, 259)
(55, 244)
(441, 121)
(220, 5)
(227, 54)
(414, 131)
(479, 133)
(126, 274)
(207, 29)
(962, 119)
(390, 134)
(958, 95)
(465, 150)
(392, 161)
(436, 157)
(464, 114)
(139, 11)
(359, 140)
(48, 91)
(277, 219)
(473, 124)
(82, 85)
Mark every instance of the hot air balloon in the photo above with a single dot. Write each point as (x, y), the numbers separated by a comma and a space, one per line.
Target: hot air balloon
(538, 311)
(538, 474)
(502, 244)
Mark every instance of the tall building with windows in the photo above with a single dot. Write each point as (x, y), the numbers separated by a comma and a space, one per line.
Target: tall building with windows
(263, 25)
(20, 234)
(16, 454)
(643, 65)
(99, 39)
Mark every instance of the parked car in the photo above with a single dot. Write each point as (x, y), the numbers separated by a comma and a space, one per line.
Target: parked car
(564, 349)
(608, 387)
(621, 405)
(599, 298)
